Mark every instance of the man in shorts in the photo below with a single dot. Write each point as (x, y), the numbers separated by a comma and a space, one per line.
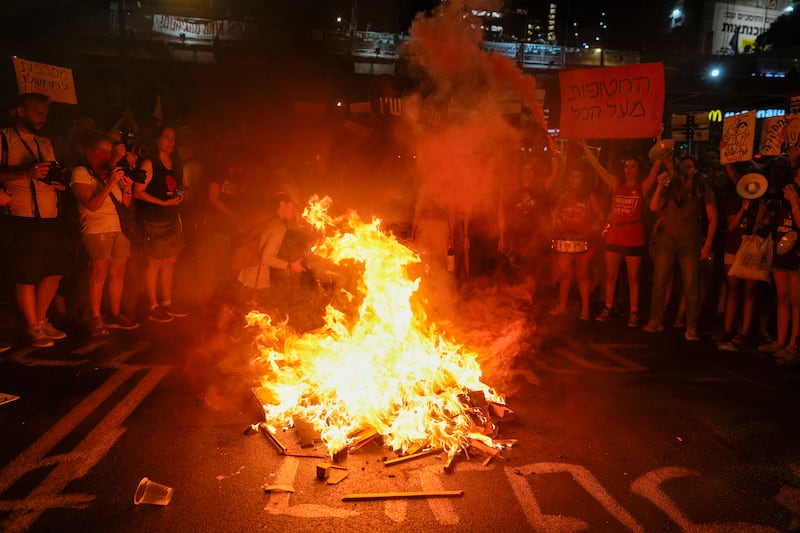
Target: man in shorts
(38, 247)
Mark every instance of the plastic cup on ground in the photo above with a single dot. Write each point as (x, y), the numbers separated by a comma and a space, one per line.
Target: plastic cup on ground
(153, 493)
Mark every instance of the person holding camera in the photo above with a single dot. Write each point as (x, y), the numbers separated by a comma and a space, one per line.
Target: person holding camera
(159, 195)
(39, 253)
(98, 185)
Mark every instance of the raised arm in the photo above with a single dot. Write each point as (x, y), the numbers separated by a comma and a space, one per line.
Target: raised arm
(607, 177)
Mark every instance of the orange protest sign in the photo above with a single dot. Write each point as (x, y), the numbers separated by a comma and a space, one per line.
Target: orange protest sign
(612, 102)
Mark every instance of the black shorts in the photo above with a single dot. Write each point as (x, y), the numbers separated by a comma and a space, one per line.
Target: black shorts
(38, 249)
(630, 251)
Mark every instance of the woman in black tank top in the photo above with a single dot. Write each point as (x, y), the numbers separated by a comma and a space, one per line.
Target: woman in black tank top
(158, 200)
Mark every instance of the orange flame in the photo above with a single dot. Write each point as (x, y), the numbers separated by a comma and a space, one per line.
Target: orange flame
(386, 369)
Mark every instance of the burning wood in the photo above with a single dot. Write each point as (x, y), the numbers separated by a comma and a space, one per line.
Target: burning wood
(451, 457)
(272, 438)
(401, 495)
(378, 367)
(411, 457)
(363, 438)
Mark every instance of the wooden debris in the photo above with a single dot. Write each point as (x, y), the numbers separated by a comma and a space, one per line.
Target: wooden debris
(411, 457)
(337, 475)
(272, 438)
(305, 434)
(251, 429)
(401, 495)
(451, 457)
(323, 471)
(500, 411)
(278, 488)
(363, 438)
(305, 454)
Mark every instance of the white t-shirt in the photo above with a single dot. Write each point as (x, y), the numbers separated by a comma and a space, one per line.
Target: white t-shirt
(19, 157)
(105, 219)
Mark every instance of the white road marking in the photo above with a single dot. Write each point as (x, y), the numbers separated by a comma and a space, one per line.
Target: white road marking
(278, 502)
(91, 449)
(583, 477)
(649, 486)
(395, 510)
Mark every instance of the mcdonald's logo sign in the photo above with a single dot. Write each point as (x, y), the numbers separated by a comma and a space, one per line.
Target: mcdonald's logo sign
(715, 115)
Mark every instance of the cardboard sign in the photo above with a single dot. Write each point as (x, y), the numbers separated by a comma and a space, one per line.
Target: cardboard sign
(55, 82)
(738, 134)
(613, 102)
(772, 135)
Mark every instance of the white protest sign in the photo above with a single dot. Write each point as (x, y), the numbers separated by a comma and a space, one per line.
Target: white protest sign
(55, 82)
(738, 134)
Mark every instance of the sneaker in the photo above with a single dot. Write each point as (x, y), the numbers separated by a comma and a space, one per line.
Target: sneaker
(558, 311)
(691, 335)
(788, 356)
(633, 320)
(97, 328)
(4, 347)
(176, 312)
(604, 315)
(739, 340)
(120, 321)
(770, 347)
(653, 327)
(585, 316)
(50, 331)
(159, 314)
(38, 338)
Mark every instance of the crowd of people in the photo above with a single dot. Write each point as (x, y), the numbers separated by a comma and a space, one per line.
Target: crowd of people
(101, 235)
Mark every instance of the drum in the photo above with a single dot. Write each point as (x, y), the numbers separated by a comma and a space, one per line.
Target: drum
(565, 246)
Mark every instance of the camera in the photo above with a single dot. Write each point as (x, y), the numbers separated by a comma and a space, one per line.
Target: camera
(57, 174)
(132, 144)
(136, 175)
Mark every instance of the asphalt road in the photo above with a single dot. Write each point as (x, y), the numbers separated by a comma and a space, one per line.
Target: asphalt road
(617, 430)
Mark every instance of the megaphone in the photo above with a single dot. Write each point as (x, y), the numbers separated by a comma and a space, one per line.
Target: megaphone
(751, 186)
(662, 149)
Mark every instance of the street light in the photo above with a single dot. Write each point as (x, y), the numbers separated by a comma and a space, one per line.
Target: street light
(715, 72)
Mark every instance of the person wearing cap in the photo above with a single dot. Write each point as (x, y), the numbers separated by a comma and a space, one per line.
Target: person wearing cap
(257, 278)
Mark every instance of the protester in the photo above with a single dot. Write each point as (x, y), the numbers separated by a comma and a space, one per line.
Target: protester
(94, 184)
(522, 219)
(261, 281)
(158, 200)
(683, 200)
(576, 218)
(785, 266)
(38, 245)
(743, 217)
(625, 235)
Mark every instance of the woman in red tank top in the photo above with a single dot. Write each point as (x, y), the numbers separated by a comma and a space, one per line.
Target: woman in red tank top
(625, 237)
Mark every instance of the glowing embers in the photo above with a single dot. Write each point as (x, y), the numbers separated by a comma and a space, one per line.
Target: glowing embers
(378, 366)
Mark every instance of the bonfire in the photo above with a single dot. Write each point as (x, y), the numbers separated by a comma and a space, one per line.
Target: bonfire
(379, 365)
